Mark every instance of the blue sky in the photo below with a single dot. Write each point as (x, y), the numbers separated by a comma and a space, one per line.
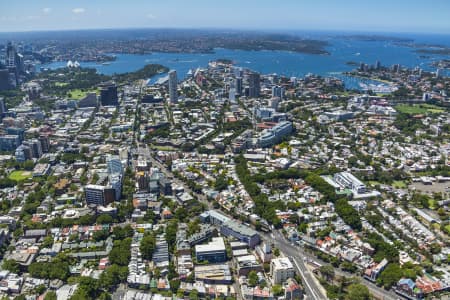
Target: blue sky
(354, 15)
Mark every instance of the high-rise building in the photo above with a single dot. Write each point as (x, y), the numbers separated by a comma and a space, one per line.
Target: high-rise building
(36, 148)
(99, 195)
(45, 143)
(254, 85)
(114, 164)
(4, 80)
(108, 94)
(23, 153)
(238, 85)
(278, 91)
(9, 142)
(11, 55)
(2, 106)
(377, 65)
(20, 132)
(173, 85)
(439, 73)
(116, 183)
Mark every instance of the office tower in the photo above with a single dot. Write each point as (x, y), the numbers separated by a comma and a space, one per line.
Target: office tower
(232, 95)
(439, 73)
(10, 55)
(396, 68)
(238, 72)
(9, 142)
(23, 153)
(99, 195)
(36, 148)
(377, 65)
(45, 143)
(238, 85)
(115, 181)
(2, 106)
(4, 80)
(278, 91)
(108, 94)
(173, 84)
(254, 85)
(20, 132)
(114, 165)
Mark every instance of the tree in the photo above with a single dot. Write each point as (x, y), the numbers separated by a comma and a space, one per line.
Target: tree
(252, 278)
(11, 265)
(100, 235)
(221, 183)
(276, 252)
(327, 271)
(175, 285)
(121, 233)
(349, 267)
(348, 214)
(112, 276)
(193, 295)
(357, 291)
(147, 247)
(120, 253)
(104, 219)
(51, 295)
(390, 276)
(277, 290)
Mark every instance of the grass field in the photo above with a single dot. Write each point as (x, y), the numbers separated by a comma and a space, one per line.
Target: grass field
(399, 184)
(78, 94)
(61, 84)
(418, 109)
(20, 175)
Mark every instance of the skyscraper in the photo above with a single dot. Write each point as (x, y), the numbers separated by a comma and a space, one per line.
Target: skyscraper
(173, 83)
(238, 85)
(254, 85)
(10, 55)
(278, 91)
(2, 107)
(108, 94)
(114, 164)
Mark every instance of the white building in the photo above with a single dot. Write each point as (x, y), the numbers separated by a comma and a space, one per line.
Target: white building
(281, 269)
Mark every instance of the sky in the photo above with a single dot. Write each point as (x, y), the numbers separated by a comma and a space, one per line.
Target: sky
(350, 15)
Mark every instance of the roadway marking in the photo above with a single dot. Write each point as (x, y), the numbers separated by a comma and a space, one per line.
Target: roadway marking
(306, 281)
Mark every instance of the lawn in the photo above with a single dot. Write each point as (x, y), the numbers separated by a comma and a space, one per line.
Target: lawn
(20, 175)
(61, 84)
(418, 109)
(399, 184)
(374, 183)
(78, 94)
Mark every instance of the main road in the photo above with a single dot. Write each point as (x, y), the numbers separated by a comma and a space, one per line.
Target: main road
(313, 289)
(298, 256)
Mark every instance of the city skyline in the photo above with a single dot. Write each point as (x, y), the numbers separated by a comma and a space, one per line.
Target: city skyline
(382, 16)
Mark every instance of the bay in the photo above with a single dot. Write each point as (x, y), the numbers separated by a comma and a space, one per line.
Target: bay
(342, 50)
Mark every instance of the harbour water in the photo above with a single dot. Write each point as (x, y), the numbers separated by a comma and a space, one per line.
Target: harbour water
(342, 51)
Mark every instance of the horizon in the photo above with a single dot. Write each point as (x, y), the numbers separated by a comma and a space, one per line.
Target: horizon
(323, 15)
(288, 31)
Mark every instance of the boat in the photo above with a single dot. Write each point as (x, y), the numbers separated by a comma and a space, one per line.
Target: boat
(106, 63)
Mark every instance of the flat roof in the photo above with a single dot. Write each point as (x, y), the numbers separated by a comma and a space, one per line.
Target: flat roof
(217, 244)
